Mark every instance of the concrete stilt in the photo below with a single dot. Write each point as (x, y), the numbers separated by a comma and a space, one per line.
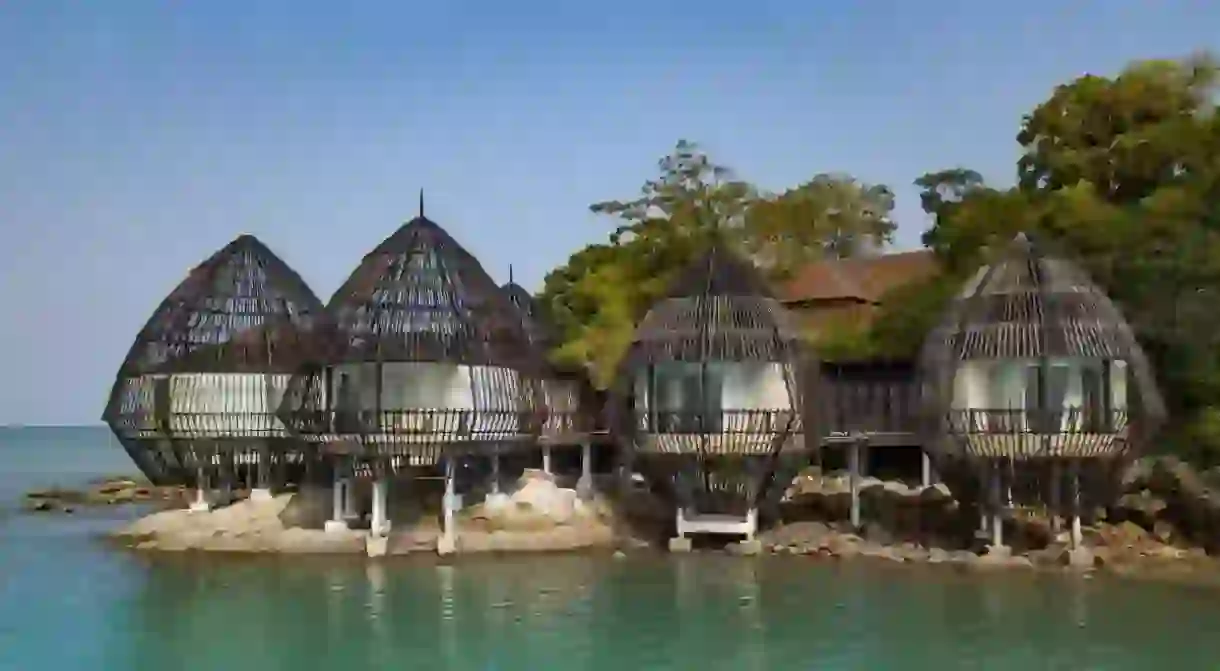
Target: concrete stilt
(1077, 534)
(1056, 497)
(338, 499)
(495, 498)
(853, 469)
(925, 471)
(263, 478)
(997, 518)
(447, 543)
(584, 486)
(349, 498)
(200, 504)
(546, 459)
(380, 525)
(495, 473)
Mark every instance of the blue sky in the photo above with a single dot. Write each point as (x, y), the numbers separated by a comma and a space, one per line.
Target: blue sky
(138, 137)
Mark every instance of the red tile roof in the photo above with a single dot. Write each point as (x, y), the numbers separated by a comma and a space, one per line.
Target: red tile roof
(863, 279)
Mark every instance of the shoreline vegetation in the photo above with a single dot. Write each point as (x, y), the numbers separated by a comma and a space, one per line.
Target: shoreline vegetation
(1163, 526)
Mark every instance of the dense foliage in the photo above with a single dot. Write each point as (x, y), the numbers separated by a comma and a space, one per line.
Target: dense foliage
(1121, 173)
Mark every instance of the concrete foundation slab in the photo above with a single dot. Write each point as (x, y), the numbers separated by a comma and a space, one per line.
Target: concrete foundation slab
(376, 546)
(446, 545)
(335, 526)
(200, 507)
(679, 544)
(261, 494)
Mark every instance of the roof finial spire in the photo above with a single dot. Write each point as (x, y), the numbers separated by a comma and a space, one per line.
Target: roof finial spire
(510, 273)
(421, 203)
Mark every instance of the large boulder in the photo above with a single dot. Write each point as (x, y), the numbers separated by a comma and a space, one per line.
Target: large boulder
(538, 492)
(1168, 497)
(905, 512)
(536, 504)
(1140, 507)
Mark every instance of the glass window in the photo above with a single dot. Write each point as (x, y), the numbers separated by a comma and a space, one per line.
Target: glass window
(1092, 407)
(1118, 385)
(689, 397)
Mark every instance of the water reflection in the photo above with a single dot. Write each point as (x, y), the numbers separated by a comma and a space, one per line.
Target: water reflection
(652, 613)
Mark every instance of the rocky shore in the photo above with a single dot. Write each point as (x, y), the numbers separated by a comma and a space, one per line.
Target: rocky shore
(539, 516)
(1165, 525)
(105, 491)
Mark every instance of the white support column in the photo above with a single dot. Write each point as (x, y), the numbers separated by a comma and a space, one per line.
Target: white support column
(447, 543)
(262, 484)
(584, 486)
(546, 459)
(200, 504)
(349, 498)
(380, 525)
(853, 471)
(997, 518)
(495, 498)
(338, 499)
(925, 472)
(1056, 497)
(751, 524)
(1077, 532)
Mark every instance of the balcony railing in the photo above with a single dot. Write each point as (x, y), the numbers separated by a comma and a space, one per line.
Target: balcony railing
(1074, 419)
(765, 421)
(443, 424)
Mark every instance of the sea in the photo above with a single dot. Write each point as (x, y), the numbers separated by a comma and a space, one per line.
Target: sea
(70, 601)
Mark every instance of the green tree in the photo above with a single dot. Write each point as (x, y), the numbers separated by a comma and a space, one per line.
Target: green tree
(1128, 136)
(831, 215)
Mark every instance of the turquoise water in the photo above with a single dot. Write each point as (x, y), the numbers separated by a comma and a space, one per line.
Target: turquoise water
(67, 602)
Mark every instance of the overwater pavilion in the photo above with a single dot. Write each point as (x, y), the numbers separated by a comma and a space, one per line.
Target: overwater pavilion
(429, 365)
(1035, 384)
(195, 400)
(709, 396)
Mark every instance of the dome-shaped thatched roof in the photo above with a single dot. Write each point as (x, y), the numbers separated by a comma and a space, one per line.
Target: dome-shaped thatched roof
(242, 310)
(420, 296)
(718, 308)
(536, 328)
(1028, 305)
